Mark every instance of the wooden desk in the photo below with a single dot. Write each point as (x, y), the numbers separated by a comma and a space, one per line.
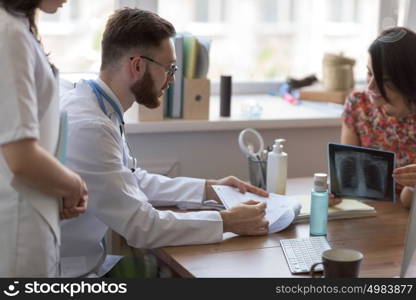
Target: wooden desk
(379, 238)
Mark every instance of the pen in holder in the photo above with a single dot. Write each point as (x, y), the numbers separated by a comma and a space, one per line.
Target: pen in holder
(257, 168)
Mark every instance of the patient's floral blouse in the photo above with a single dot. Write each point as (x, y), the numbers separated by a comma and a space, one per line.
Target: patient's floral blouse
(377, 130)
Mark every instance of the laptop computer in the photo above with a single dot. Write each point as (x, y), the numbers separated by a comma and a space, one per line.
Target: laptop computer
(408, 268)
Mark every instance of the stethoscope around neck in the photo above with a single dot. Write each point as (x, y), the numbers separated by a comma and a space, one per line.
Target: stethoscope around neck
(101, 96)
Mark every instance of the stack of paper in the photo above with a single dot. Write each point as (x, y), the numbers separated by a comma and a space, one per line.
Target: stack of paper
(280, 212)
(348, 208)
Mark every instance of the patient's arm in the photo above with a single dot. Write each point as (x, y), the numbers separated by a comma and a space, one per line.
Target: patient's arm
(406, 176)
(349, 136)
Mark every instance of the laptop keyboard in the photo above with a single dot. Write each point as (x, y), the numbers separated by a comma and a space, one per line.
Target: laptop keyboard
(302, 253)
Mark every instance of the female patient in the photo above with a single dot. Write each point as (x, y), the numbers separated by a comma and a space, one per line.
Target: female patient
(384, 116)
(32, 181)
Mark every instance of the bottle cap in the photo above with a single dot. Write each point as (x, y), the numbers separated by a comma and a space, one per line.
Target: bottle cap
(320, 182)
(279, 141)
(279, 145)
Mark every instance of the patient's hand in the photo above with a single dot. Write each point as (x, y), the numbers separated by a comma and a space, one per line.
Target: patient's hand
(333, 200)
(405, 175)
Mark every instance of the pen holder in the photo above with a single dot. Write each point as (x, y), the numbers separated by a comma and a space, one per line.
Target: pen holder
(258, 171)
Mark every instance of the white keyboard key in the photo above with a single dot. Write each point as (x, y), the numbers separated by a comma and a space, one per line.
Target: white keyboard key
(301, 254)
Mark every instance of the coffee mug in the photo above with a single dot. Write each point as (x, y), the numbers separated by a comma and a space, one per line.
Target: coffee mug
(339, 263)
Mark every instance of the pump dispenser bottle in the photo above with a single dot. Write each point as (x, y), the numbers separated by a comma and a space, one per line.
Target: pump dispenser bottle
(319, 205)
(277, 168)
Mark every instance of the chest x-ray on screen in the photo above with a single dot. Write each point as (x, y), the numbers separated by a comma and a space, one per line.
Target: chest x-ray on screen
(361, 172)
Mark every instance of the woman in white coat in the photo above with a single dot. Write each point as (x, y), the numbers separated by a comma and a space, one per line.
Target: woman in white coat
(32, 181)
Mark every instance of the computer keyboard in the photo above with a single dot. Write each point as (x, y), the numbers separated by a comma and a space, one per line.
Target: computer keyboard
(302, 253)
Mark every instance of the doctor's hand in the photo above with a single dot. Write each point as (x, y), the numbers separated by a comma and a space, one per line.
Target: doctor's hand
(246, 219)
(405, 175)
(233, 181)
(75, 203)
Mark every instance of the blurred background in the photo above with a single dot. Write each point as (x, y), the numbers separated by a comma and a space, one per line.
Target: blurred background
(259, 40)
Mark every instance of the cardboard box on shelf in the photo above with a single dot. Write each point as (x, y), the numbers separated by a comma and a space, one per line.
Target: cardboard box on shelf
(196, 95)
(196, 99)
(318, 93)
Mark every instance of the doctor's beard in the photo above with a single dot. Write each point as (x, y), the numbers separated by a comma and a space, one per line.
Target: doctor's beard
(145, 92)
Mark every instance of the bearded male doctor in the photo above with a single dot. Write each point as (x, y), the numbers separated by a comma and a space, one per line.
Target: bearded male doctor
(137, 65)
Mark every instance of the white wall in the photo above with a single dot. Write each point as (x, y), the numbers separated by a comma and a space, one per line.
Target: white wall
(216, 154)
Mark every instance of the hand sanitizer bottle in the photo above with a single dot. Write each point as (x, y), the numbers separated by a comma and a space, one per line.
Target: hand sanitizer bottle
(319, 205)
(277, 169)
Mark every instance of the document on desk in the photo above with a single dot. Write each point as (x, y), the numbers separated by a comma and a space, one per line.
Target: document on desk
(347, 209)
(280, 212)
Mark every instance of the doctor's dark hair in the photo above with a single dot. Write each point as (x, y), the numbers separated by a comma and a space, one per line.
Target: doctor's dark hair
(131, 28)
(25, 7)
(393, 58)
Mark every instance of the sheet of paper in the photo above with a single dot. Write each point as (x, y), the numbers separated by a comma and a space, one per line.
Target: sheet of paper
(280, 212)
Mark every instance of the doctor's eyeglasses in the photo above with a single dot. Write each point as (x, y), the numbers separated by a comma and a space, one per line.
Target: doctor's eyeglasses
(169, 71)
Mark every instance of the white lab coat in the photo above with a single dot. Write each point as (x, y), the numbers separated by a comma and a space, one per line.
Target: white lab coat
(119, 198)
(29, 108)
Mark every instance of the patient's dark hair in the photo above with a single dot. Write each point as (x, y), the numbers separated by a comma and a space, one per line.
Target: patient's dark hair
(25, 7)
(131, 28)
(393, 57)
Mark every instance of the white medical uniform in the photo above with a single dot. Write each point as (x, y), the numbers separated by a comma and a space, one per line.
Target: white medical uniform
(119, 198)
(29, 108)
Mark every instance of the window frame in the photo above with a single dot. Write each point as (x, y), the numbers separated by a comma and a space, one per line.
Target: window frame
(61, 26)
(387, 9)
